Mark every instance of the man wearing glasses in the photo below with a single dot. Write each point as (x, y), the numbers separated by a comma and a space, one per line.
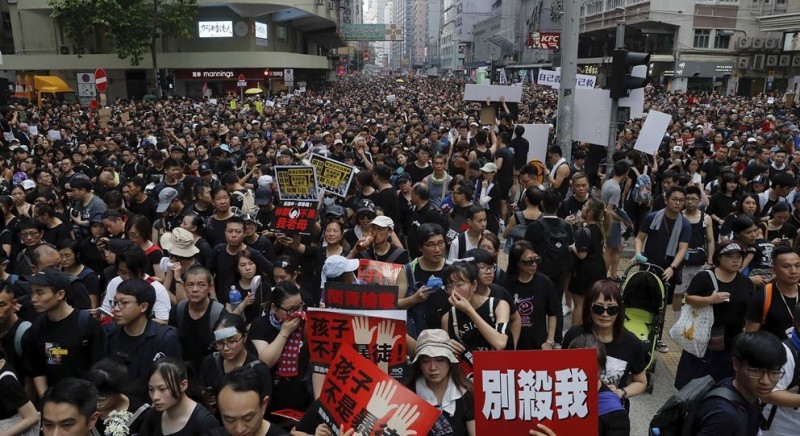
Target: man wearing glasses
(134, 338)
(663, 241)
(733, 406)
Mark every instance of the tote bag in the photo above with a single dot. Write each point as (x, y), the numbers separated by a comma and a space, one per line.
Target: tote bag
(693, 328)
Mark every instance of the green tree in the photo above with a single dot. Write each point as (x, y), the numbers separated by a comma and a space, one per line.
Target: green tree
(133, 26)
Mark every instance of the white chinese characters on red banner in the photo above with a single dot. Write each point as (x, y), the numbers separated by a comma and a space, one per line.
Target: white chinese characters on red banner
(515, 390)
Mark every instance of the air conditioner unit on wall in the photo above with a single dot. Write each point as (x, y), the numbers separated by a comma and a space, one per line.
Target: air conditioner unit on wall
(785, 61)
(64, 49)
(771, 44)
(772, 61)
(796, 60)
(744, 42)
(758, 43)
(743, 62)
(320, 2)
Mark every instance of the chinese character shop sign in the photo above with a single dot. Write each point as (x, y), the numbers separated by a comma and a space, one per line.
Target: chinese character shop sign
(515, 390)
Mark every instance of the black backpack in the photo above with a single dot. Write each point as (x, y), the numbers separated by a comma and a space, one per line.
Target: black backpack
(678, 416)
(553, 246)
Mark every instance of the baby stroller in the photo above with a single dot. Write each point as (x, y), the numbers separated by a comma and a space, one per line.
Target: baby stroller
(644, 296)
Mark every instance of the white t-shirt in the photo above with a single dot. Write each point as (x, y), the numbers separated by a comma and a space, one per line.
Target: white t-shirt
(160, 309)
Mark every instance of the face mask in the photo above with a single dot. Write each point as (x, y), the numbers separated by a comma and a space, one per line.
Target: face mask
(328, 201)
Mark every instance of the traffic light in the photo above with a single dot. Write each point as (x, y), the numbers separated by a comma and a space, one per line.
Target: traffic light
(622, 82)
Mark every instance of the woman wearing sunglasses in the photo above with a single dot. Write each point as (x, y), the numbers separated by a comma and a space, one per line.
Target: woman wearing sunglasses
(603, 317)
(535, 296)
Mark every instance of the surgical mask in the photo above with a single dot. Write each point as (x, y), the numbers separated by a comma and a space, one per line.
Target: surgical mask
(328, 201)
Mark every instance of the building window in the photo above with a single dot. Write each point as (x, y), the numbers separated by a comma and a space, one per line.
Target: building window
(722, 41)
(701, 38)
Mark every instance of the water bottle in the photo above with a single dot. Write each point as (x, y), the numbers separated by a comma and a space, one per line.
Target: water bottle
(234, 297)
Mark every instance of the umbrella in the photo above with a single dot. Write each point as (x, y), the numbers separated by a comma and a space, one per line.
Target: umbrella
(254, 91)
(400, 81)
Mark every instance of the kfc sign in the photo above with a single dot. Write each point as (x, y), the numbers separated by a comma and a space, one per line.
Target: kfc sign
(544, 40)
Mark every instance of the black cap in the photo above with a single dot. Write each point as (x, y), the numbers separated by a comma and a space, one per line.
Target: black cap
(205, 167)
(50, 277)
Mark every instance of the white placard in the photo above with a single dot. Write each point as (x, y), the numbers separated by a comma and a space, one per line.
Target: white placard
(55, 135)
(591, 116)
(261, 30)
(537, 136)
(33, 130)
(652, 132)
(215, 29)
(512, 94)
(269, 103)
(770, 100)
(391, 98)
(212, 101)
(553, 79)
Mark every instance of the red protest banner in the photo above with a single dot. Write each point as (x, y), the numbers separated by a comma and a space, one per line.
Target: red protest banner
(359, 395)
(379, 273)
(515, 390)
(358, 296)
(376, 335)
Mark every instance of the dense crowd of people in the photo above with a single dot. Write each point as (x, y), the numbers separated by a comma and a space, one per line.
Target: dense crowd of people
(141, 269)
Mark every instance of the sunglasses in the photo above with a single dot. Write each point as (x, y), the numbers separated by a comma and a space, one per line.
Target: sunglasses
(531, 262)
(610, 310)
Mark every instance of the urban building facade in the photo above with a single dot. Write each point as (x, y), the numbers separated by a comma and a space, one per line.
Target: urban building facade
(230, 39)
(457, 30)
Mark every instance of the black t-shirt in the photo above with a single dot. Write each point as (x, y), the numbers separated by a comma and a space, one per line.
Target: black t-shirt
(505, 175)
(146, 208)
(57, 352)
(201, 422)
(387, 200)
(780, 316)
(763, 255)
(287, 392)
(535, 300)
(7, 342)
(196, 335)
(787, 232)
(417, 173)
(59, 233)
(721, 205)
(400, 258)
(625, 355)
(731, 314)
(570, 206)
(14, 395)
(520, 146)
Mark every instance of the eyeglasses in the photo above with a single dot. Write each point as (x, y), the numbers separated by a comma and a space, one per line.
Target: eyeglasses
(121, 303)
(487, 268)
(532, 261)
(610, 310)
(230, 343)
(440, 244)
(678, 200)
(366, 216)
(293, 310)
(26, 235)
(452, 286)
(757, 373)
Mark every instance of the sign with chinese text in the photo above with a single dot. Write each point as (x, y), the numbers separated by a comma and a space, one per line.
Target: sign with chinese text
(379, 273)
(377, 335)
(515, 390)
(553, 79)
(332, 175)
(296, 182)
(294, 217)
(358, 296)
(215, 29)
(358, 395)
(544, 40)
